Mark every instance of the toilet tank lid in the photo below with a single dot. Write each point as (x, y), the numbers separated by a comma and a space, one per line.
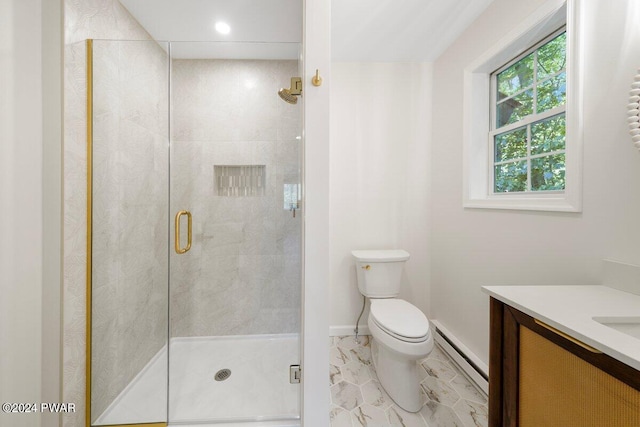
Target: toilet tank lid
(385, 255)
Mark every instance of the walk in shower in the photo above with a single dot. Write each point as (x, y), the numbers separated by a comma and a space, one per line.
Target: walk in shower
(195, 232)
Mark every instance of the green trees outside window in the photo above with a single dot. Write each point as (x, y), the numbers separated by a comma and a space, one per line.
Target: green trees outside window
(529, 121)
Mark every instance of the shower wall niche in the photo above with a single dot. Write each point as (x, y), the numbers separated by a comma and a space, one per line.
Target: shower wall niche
(239, 181)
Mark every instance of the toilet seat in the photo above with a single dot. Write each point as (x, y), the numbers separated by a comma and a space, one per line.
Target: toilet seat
(400, 319)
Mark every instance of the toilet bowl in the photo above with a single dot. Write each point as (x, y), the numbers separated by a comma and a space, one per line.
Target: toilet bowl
(400, 331)
(396, 350)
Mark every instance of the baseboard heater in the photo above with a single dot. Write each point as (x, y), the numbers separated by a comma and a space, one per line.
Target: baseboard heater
(469, 366)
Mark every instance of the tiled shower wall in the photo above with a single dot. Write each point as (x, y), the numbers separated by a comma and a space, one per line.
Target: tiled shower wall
(242, 274)
(130, 221)
(84, 19)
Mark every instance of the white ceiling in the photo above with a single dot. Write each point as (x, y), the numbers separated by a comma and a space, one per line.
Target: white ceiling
(398, 30)
(276, 24)
(362, 30)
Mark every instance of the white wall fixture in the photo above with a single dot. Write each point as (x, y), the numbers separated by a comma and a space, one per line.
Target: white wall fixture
(634, 110)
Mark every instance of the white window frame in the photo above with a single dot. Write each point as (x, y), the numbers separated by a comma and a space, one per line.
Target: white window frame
(478, 153)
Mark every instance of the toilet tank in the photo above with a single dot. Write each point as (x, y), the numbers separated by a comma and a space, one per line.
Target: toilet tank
(379, 271)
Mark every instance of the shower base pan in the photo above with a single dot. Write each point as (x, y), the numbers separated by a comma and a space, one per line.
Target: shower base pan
(257, 393)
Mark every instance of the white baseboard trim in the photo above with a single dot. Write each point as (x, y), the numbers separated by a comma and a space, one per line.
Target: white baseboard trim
(342, 330)
(471, 364)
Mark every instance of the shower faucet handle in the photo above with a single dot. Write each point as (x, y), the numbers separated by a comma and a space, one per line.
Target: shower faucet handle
(293, 207)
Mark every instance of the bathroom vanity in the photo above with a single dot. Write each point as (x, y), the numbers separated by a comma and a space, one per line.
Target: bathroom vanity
(564, 356)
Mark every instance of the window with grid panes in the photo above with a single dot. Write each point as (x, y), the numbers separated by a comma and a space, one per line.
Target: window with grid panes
(528, 125)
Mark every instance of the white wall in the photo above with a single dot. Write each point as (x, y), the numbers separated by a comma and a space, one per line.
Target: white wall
(380, 121)
(21, 209)
(30, 206)
(52, 33)
(475, 247)
(315, 345)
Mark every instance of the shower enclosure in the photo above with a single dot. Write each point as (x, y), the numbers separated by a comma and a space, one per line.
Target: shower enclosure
(195, 232)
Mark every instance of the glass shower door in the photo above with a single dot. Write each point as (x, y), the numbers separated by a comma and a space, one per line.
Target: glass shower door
(128, 173)
(235, 276)
(196, 233)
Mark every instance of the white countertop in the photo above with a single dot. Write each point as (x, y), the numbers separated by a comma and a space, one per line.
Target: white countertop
(571, 309)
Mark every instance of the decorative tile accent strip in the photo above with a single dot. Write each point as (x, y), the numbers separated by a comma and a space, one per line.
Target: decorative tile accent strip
(239, 181)
(451, 400)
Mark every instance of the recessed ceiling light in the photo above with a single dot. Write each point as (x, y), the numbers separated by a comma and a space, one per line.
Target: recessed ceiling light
(223, 27)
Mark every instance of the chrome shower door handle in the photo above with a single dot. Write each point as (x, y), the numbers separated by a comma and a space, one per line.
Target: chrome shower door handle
(180, 250)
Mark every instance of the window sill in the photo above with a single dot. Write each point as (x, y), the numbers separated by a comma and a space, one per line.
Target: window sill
(550, 204)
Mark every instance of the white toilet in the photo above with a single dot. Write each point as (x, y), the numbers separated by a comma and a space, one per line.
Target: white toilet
(400, 331)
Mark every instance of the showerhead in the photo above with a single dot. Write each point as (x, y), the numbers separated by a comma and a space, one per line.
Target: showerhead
(287, 96)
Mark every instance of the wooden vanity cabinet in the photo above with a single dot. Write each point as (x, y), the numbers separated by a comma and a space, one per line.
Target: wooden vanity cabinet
(540, 377)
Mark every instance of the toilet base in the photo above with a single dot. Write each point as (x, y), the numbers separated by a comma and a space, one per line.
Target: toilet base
(398, 376)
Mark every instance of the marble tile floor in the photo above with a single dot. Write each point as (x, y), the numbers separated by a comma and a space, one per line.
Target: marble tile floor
(358, 399)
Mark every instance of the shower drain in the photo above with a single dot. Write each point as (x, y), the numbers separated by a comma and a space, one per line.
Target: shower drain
(223, 374)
